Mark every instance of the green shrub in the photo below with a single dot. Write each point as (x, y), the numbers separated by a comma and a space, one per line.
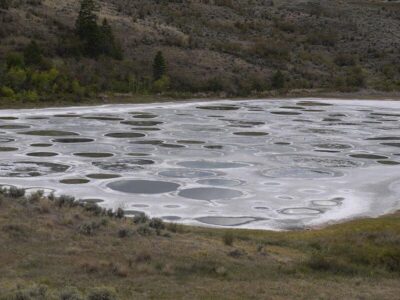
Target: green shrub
(140, 218)
(144, 230)
(162, 84)
(157, 223)
(29, 96)
(15, 192)
(7, 92)
(88, 228)
(35, 197)
(63, 200)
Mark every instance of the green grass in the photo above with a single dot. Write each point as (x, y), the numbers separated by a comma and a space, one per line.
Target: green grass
(53, 247)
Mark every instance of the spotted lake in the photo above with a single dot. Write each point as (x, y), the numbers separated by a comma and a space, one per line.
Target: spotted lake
(266, 164)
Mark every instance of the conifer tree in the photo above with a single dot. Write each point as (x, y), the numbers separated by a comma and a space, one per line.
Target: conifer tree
(87, 29)
(159, 66)
(278, 80)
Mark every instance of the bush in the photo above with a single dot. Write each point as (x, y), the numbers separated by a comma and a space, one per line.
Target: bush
(228, 238)
(119, 213)
(63, 200)
(140, 218)
(88, 228)
(157, 223)
(7, 92)
(144, 230)
(102, 293)
(162, 84)
(29, 96)
(15, 192)
(35, 197)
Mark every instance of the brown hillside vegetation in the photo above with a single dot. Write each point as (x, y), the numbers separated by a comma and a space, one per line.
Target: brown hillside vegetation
(233, 46)
(55, 248)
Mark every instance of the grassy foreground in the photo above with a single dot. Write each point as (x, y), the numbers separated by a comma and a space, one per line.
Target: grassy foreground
(58, 248)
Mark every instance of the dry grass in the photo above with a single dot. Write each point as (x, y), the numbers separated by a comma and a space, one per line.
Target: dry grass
(43, 251)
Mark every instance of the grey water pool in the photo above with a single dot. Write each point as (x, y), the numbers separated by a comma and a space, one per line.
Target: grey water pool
(266, 164)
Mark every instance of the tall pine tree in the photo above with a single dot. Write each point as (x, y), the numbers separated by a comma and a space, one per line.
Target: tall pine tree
(87, 29)
(159, 66)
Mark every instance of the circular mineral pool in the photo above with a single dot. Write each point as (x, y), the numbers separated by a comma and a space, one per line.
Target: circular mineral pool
(14, 126)
(102, 176)
(8, 149)
(143, 186)
(368, 156)
(72, 140)
(94, 154)
(251, 133)
(142, 123)
(41, 145)
(49, 133)
(122, 135)
(42, 154)
(219, 107)
(74, 181)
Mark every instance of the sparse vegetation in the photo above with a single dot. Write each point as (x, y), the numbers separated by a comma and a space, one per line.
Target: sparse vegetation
(76, 243)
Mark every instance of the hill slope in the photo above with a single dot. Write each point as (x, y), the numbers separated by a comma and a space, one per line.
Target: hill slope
(234, 46)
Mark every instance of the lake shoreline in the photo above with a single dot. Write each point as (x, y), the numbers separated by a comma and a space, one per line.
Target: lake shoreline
(104, 99)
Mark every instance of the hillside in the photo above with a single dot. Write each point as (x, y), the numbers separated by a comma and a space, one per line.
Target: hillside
(54, 248)
(231, 46)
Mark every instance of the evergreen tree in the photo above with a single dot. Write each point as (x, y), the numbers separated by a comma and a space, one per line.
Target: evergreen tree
(159, 66)
(109, 45)
(33, 54)
(278, 80)
(87, 29)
